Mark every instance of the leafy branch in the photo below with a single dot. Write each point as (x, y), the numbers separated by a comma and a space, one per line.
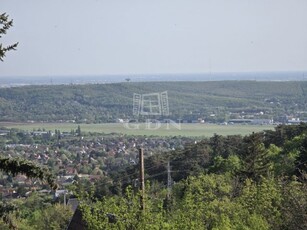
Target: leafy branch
(5, 24)
(19, 166)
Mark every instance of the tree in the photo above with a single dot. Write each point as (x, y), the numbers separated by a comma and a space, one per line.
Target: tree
(14, 167)
(294, 205)
(255, 156)
(78, 131)
(30, 169)
(5, 24)
(53, 217)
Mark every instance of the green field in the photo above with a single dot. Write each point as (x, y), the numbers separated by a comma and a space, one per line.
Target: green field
(201, 130)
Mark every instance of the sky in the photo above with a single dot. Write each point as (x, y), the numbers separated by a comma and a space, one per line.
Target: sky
(102, 37)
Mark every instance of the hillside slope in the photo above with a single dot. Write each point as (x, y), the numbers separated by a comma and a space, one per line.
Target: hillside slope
(187, 100)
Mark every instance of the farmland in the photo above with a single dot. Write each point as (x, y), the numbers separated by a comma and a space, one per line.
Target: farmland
(192, 130)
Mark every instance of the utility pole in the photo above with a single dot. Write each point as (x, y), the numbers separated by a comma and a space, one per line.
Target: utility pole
(65, 198)
(169, 180)
(142, 183)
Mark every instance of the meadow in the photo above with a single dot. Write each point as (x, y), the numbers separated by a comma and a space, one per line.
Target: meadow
(191, 130)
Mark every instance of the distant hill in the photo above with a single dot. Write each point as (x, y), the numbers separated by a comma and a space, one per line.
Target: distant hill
(8, 81)
(214, 101)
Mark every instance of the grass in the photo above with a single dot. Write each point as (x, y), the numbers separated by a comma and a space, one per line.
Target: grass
(192, 130)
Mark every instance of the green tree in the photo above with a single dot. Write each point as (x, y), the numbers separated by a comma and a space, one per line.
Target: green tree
(255, 156)
(208, 203)
(55, 217)
(78, 131)
(123, 212)
(5, 24)
(16, 166)
(232, 164)
(294, 205)
(263, 198)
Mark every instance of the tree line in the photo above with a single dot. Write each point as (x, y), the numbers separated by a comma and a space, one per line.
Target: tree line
(96, 103)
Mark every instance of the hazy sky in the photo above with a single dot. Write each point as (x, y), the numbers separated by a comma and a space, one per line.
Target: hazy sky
(96, 37)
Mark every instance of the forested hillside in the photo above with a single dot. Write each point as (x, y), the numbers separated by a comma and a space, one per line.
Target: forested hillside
(187, 100)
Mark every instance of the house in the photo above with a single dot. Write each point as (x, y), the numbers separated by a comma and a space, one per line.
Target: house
(77, 222)
(261, 122)
(240, 121)
(4, 132)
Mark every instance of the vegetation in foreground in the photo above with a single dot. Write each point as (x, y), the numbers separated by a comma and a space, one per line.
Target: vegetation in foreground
(223, 182)
(255, 182)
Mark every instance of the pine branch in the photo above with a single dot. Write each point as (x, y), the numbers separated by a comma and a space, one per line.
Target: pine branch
(28, 168)
(5, 24)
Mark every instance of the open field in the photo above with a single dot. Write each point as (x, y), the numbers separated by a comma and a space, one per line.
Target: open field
(202, 130)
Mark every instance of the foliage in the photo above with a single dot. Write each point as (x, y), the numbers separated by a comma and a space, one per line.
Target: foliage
(124, 213)
(207, 203)
(30, 169)
(35, 212)
(98, 103)
(244, 187)
(54, 217)
(5, 24)
(255, 157)
(224, 182)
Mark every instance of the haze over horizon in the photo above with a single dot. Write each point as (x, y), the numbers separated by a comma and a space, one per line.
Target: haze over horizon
(101, 38)
(56, 80)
